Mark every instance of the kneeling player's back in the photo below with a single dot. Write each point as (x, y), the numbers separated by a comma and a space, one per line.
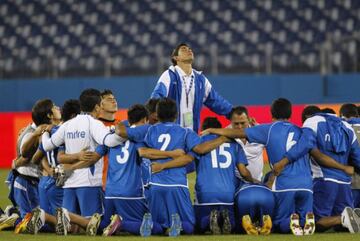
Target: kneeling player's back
(215, 181)
(166, 137)
(278, 138)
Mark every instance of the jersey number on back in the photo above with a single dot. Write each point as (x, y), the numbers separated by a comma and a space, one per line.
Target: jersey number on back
(222, 152)
(165, 139)
(124, 157)
(290, 142)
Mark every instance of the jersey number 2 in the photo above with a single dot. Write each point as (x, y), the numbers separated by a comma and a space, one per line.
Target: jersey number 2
(165, 139)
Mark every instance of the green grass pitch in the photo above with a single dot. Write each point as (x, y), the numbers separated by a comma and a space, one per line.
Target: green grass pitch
(9, 236)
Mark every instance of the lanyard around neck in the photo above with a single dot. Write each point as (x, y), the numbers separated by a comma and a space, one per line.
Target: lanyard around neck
(188, 90)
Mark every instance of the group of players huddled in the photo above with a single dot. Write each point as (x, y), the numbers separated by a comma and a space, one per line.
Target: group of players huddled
(80, 168)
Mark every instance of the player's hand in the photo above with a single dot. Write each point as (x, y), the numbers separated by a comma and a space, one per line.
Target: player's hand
(349, 170)
(119, 128)
(49, 128)
(252, 121)
(270, 181)
(40, 129)
(177, 153)
(206, 132)
(51, 171)
(226, 139)
(279, 166)
(20, 161)
(156, 167)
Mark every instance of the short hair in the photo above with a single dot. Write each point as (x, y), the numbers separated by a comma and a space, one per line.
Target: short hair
(349, 110)
(211, 122)
(328, 111)
(239, 110)
(41, 110)
(309, 111)
(166, 110)
(175, 52)
(105, 93)
(89, 98)
(281, 109)
(136, 113)
(151, 105)
(70, 109)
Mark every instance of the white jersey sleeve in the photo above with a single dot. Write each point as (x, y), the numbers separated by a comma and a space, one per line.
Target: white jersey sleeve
(102, 134)
(56, 140)
(208, 87)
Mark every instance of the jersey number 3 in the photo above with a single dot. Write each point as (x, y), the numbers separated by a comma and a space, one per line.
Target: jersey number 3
(124, 156)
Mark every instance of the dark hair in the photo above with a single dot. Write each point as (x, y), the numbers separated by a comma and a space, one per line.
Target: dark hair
(41, 110)
(106, 92)
(175, 52)
(211, 122)
(349, 110)
(239, 110)
(136, 113)
(166, 110)
(151, 105)
(70, 109)
(309, 111)
(89, 98)
(328, 111)
(281, 109)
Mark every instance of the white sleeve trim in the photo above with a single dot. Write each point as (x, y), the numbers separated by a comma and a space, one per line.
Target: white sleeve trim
(208, 88)
(313, 122)
(352, 130)
(165, 79)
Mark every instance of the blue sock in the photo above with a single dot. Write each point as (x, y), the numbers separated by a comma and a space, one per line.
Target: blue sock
(157, 229)
(188, 228)
(205, 222)
(131, 227)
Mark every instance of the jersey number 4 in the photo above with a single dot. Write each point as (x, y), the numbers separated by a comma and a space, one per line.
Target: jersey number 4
(222, 152)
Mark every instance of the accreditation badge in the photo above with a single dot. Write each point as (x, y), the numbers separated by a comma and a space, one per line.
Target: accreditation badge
(188, 119)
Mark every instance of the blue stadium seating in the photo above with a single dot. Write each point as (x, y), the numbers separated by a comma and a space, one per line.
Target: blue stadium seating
(95, 37)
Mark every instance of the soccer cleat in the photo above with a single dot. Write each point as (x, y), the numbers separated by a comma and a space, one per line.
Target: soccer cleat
(114, 225)
(3, 217)
(176, 225)
(63, 225)
(93, 225)
(295, 225)
(348, 220)
(59, 175)
(267, 225)
(248, 226)
(9, 222)
(214, 222)
(309, 227)
(36, 222)
(226, 228)
(146, 225)
(357, 216)
(21, 227)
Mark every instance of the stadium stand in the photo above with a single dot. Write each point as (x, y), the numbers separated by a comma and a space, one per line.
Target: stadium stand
(42, 38)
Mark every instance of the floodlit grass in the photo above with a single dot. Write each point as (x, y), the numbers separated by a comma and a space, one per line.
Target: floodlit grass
(9, 235)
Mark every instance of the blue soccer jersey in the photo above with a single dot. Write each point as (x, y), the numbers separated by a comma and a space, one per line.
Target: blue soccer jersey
(166, 137)
(336, 139)
(124, 178)
(215, 179)
(51, 156)
(278, 138)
